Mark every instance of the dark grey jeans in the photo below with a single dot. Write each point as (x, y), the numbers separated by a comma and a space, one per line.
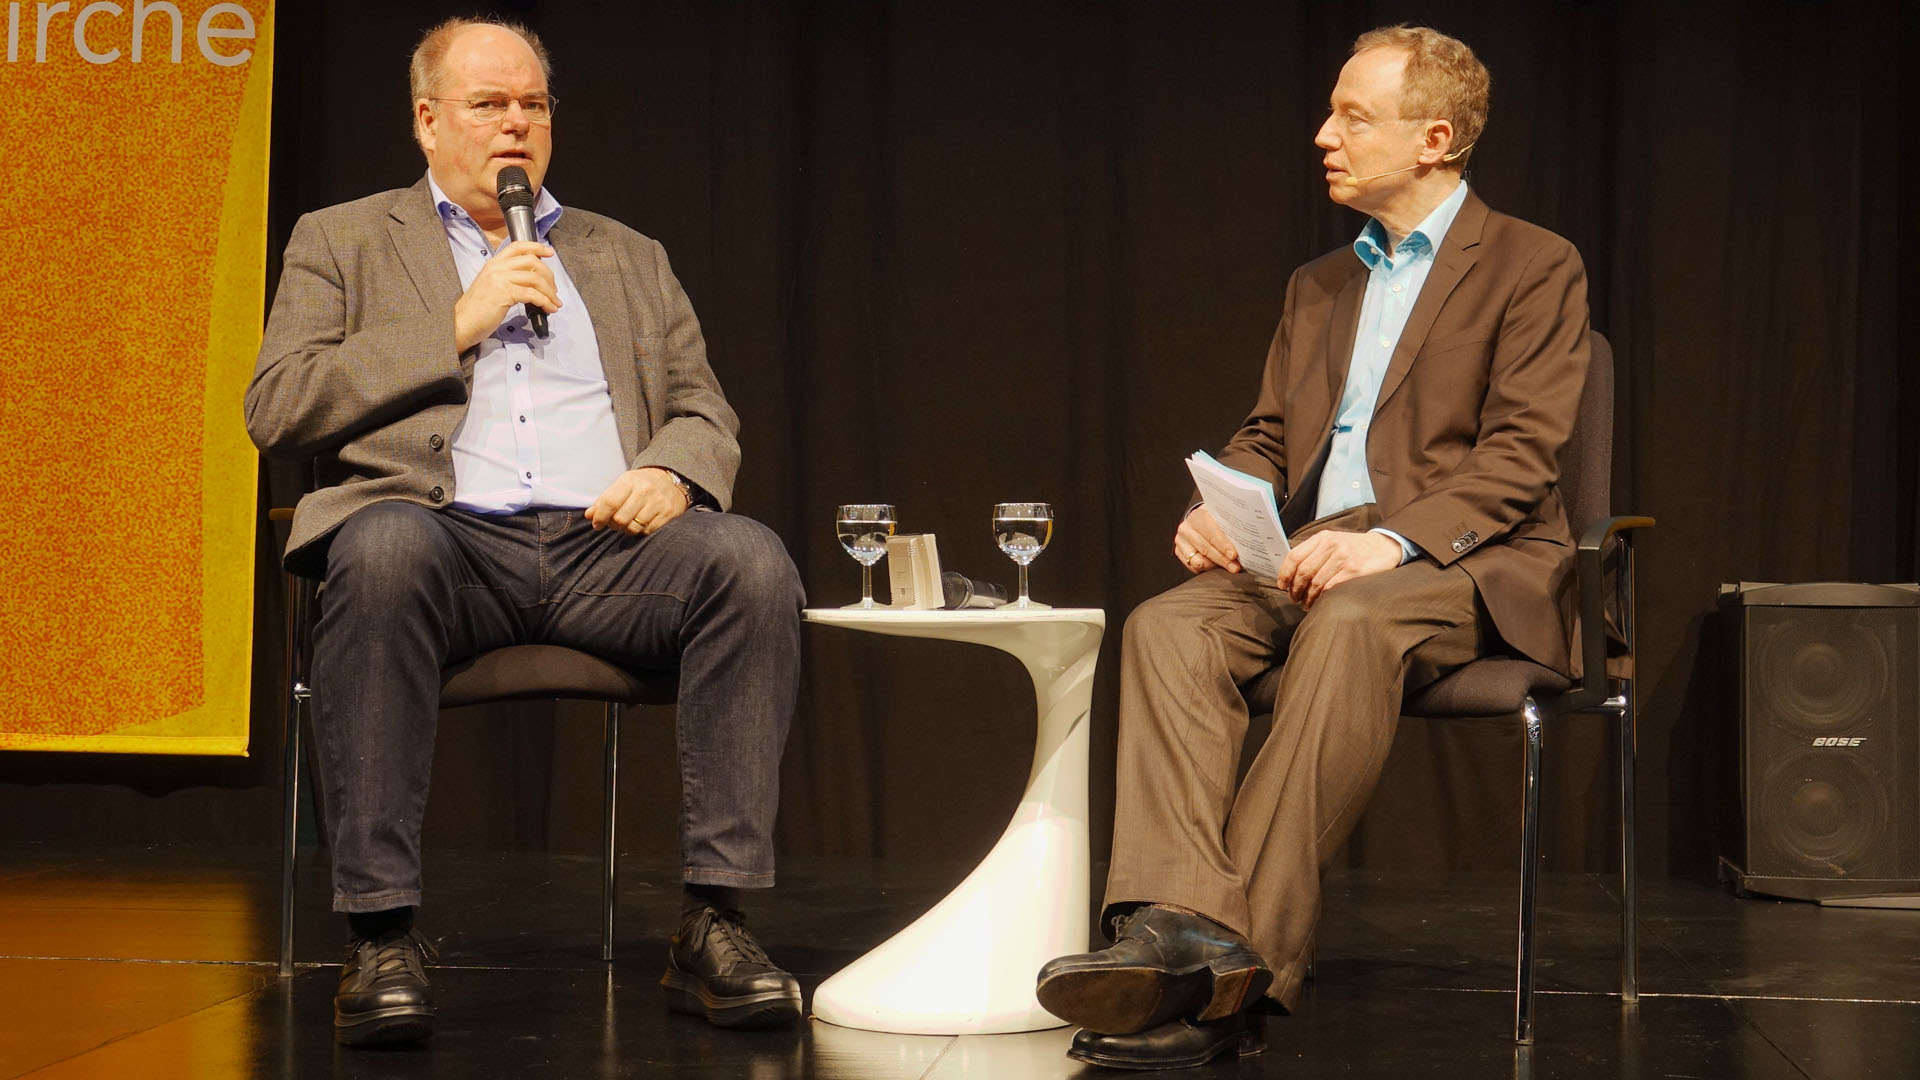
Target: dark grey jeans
(410, 590)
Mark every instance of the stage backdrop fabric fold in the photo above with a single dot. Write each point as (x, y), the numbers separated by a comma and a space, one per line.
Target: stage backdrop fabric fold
(136, 174)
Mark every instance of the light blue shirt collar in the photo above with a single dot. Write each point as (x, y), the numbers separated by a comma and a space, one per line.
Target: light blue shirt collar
(1425, 239)
(546, 208)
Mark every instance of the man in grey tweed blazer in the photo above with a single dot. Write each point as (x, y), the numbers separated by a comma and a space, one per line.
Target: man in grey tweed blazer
(483, 484)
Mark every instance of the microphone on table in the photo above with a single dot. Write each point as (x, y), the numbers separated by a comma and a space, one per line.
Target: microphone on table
(1356, 181)
(961, 591)
(516, 201)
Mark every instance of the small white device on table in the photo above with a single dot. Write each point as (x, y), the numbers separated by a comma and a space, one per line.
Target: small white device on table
(967, 966)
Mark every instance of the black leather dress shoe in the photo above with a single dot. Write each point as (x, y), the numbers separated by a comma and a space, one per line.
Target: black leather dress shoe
(717, 970)
(383, 998)
(1177, 1044)
(1165, 964)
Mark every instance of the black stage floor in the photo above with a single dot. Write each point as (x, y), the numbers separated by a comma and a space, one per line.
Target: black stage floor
(159, 962)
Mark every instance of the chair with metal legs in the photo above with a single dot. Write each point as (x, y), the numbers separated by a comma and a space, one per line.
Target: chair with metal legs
(1535, 696)
(515, 673)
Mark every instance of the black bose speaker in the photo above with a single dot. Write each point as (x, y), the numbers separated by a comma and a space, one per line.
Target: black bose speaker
(1828, 682)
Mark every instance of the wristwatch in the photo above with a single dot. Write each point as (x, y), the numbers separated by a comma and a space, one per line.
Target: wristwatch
(686, 486)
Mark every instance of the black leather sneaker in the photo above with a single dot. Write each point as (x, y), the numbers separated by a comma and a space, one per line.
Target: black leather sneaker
(716, 969)
(383, 998)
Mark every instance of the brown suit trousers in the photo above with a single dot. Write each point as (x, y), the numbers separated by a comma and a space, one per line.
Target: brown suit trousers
(1182, 834)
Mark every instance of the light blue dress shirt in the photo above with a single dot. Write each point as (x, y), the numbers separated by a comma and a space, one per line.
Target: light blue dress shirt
(539, 430)
(1393, 285)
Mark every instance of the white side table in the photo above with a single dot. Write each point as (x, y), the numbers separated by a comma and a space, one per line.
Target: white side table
(967, 966)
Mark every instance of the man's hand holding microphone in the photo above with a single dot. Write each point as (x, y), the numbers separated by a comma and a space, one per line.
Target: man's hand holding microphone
(514, 275)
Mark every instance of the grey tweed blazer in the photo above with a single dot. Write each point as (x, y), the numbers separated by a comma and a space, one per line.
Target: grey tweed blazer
(358, 369)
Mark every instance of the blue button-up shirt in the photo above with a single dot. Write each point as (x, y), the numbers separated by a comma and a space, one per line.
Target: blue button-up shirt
(539, 429)
(1393, 285)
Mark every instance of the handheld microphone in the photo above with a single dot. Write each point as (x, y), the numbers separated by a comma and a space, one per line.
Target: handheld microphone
(516, 201)
(961, 591)
(1356, 181)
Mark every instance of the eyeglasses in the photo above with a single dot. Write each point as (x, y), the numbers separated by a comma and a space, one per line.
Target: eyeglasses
(538, 110)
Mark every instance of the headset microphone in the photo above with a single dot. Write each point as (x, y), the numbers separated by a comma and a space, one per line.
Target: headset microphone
(1355, 181)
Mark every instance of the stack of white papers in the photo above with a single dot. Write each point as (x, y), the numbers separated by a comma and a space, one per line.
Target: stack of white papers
(1245, 508)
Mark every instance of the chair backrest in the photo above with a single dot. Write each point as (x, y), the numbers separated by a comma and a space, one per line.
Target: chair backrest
(1586, 462)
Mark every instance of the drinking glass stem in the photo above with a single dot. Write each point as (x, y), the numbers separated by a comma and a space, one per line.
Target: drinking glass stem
(1023, 602)
(866, 585)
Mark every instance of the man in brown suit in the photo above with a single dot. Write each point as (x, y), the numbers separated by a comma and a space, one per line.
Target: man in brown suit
(1414, 404)
(488, 478)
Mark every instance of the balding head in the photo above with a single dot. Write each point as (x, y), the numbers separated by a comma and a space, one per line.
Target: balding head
(427, 73)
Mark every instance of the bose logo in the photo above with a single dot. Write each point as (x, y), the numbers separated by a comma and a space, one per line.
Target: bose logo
(1839, 740)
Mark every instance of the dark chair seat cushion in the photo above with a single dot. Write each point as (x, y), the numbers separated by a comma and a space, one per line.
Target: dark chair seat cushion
(532, 672)
(1492, 686)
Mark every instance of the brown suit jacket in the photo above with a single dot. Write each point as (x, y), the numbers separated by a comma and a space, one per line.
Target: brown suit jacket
(358, 369)
(1477, 400)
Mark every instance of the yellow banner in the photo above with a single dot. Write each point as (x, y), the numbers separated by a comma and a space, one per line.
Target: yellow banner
(135, 183)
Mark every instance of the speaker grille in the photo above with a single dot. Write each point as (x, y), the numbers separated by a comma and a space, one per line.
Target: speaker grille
(1832, 733)
(1822, 672)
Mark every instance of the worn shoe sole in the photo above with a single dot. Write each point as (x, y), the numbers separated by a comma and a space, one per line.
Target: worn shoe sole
(1242, 1044)
(770, 1008)
(397, 1026)
(1127, 1000)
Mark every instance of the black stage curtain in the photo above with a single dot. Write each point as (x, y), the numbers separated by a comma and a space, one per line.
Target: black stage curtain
(949, 254)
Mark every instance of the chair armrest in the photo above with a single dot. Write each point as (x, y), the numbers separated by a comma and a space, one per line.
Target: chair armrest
(1591, 579)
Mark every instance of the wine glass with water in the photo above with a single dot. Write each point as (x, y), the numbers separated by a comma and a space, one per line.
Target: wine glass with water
(1022, 531)
(863, 530)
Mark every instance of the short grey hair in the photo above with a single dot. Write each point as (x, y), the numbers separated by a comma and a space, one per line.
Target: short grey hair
(1443, 80)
